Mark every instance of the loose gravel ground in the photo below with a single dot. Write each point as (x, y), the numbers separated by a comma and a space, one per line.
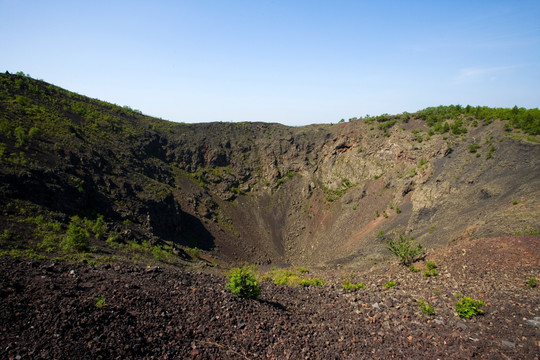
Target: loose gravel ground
(50, 311)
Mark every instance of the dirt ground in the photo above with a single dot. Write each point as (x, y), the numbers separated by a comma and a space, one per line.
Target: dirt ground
(53, 311)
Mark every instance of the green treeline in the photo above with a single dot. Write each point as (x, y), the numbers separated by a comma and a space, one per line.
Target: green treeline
(450, 118)
(31, 107)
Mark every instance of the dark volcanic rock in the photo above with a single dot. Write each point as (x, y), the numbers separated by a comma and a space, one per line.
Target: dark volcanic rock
(51, 311)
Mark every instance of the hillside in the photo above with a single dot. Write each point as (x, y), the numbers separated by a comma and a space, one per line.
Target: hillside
(265, 193)
(117, 228)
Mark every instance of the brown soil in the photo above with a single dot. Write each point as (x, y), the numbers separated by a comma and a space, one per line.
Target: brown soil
(48, 311)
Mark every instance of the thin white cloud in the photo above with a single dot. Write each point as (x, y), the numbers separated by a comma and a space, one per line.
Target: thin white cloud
(469, 74)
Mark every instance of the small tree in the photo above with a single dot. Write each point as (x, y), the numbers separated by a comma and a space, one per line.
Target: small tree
(243, 283)
(407, 250)
(76, 238)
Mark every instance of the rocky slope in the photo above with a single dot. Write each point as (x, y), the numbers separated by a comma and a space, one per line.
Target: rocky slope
(263, 193)
(59, 310)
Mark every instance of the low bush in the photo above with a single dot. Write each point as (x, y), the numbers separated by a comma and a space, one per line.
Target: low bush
(474, 147)
(243, 283)
(532, 282)
(100, 301)
(426, 308)
(467, 307)
(193, 252)
(390, 284)
(113, 242)
(431, 269)
(347, 285)
(312, 282)
(158, 252)
(98, 227)
(430, 273)
(407, 250)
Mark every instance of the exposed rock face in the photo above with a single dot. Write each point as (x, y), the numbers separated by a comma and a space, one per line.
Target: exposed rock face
(319, 194)
(312, 194)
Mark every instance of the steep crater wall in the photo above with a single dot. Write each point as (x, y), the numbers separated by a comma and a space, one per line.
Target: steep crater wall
(265, 193)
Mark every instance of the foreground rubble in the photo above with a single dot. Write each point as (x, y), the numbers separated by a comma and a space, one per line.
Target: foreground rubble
(65, 311)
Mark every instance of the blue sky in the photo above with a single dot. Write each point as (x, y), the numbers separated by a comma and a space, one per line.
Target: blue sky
(292, 62)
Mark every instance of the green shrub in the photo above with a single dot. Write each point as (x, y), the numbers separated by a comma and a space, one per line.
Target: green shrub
(303, 270)
(312, 282)
(2, 149)
(146, 245)
(8, 235)
(347, 285)
(193, 252)
(114, 243)
(532, 282)
(33, 132)
(20, 135)
(49, 243)
(390, 284)
(405, 249)
(426, 308)
(76, 238)
(413, 269)
(100, 301)
(467, 307)
(157, 252)
(243, 283)
(98, 227)
(474, 147)
(431, 269)
(430, 273)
